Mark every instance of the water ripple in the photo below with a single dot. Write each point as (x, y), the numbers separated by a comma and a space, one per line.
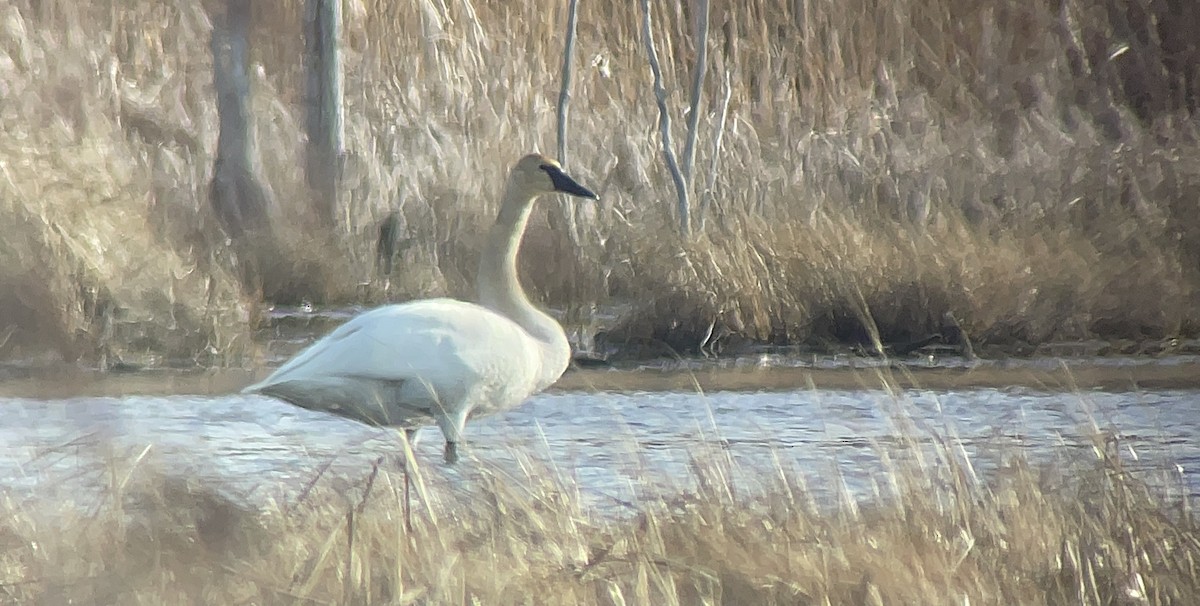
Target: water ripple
(615, 445)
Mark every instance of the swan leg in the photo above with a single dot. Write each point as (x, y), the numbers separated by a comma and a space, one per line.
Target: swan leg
(451, 425)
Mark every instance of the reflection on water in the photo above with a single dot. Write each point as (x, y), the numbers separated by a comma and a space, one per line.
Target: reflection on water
(612, 444)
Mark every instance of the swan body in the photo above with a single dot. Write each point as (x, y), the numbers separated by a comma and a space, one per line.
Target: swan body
(442, 361)
(399, 365)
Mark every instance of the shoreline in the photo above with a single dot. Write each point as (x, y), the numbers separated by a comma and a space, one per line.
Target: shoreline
(699, 376)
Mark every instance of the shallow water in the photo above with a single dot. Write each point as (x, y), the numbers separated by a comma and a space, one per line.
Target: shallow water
(616, 445)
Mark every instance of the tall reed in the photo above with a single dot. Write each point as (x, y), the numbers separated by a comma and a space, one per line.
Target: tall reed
(1027, 170)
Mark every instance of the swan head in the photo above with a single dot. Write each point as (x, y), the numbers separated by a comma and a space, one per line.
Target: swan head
(536, 174)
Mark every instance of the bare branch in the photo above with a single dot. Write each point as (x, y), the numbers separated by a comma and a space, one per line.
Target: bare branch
(564, 94)
(716, 152)
(664, 122)
(567, 207)
(689, 147)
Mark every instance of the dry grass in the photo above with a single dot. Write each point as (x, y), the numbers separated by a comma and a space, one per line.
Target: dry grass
(1086, 531)
(1029, 170)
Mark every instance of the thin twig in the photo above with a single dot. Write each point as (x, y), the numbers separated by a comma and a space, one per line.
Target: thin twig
(313, 482)
(362, 503)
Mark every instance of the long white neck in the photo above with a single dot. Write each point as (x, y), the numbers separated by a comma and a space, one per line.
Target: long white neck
(500, 290)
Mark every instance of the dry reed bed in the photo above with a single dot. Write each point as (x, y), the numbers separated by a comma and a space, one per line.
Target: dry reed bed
(1029, 171)
(1085, 532)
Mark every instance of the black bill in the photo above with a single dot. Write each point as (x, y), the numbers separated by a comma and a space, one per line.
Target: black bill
(567, 185)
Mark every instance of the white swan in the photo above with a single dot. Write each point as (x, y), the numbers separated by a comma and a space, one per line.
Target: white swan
(442, 360)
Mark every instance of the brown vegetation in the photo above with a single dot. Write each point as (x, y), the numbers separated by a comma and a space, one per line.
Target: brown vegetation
(1029, 170)
(1084, 532)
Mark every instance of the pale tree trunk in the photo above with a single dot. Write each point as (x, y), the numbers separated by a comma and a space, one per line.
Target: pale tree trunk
(563, 216)
(664, 124)
(323, 68)
(698, 71)
(566, 207)
(236, 192)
